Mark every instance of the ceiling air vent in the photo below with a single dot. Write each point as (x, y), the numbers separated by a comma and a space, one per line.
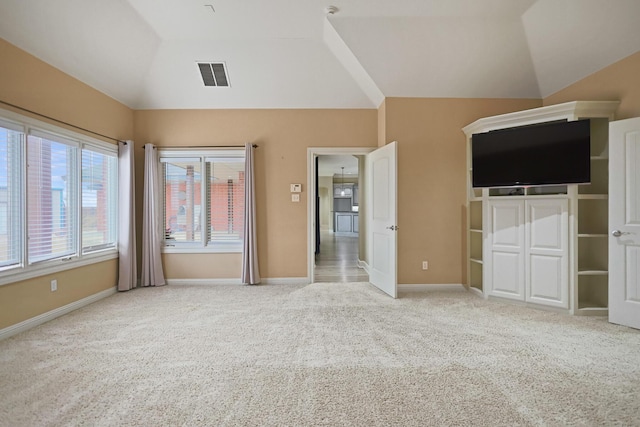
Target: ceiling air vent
(214, 74)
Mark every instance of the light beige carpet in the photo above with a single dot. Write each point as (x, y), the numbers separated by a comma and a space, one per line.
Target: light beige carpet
(318, 355)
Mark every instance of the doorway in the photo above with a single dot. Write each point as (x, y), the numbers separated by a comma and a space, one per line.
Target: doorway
(337, 249)
(336, 238)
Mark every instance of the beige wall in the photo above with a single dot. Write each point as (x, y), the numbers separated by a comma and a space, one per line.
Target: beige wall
(281, 159)
(617, 82)
(431, 169)
(431, 181)
(30, 83)
(23, 300)
(382, 124)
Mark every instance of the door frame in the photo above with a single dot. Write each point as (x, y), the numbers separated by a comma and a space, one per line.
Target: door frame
(312, 152)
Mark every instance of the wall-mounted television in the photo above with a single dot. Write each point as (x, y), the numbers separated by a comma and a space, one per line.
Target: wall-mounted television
(553, 153)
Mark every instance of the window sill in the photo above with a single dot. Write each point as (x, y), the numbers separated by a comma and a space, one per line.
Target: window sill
(220, 248)
(19, 274)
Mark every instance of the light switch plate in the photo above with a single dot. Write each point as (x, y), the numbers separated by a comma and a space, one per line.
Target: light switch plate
(295, 197)
(296, 188)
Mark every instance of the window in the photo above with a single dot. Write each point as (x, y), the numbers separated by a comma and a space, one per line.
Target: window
(183, 199)
(58, 198)
(203, 200)
(99, 199)
(226, 199)
(11, 142)
(51, 198)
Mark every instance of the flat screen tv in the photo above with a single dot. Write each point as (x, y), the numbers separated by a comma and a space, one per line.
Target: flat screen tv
(552, 153)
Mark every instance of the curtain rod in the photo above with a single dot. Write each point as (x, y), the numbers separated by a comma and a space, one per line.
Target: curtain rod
(208, 146)
(60, 121)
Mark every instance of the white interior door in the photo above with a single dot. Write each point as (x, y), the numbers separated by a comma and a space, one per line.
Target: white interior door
(624, 222)
(381, 212)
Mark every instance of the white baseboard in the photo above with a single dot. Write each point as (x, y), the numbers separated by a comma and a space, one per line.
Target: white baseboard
(236, 281)
(286, 281)
(430, 287)
(364, 265)
(476, 291)
(50, 315)
(202, 282)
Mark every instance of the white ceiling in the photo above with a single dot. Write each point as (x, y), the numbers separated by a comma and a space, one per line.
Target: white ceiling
(288, 54)
(331, 165)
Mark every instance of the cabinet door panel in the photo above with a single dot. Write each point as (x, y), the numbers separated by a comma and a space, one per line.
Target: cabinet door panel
(547, 233)
(546, 281)
(507, 280)
(343, 223)
(505, 274)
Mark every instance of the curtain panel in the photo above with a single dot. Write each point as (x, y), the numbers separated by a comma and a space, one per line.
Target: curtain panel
(250, 272)
(127, 273)
(152, 274)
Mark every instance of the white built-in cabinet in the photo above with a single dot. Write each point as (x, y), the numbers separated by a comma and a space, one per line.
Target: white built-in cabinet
(527, 242)
(544, 246)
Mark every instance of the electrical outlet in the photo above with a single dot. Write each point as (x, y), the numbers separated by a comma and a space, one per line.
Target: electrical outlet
(54, 285)
(425, 265)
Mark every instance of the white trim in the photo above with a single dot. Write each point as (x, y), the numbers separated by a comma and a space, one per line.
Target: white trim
(50, 315)
(363, 264)
(203, 282)
(423, 287)
(312, 152)
(476, 291)
(286, 281)
(212, 248)
(569, 110)
(54, 266)
(30, 123)
(236, 281)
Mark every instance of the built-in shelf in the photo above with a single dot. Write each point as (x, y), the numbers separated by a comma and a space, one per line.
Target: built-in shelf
(592, 311)
(587, 280)
(583, 196)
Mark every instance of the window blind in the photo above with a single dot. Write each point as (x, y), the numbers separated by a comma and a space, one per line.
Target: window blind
(99, 200)
(11, 191)
(51, 197)
(225, 213)
(183, 199)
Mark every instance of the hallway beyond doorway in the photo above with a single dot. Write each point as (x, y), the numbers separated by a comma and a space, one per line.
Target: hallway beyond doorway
(338, 259)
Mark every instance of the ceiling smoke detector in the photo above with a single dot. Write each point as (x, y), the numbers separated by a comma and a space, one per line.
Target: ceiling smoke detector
(330, 10)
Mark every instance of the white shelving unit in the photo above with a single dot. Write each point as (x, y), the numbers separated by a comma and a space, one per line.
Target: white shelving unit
(588, 207)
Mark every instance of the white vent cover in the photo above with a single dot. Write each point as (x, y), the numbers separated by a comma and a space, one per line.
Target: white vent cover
(214, 74)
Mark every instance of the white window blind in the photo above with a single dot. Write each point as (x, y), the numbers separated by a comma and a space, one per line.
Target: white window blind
(58, 194)
(11, 195)
(99, 200)
(183, 199)
(52, 201)
(225, 213)
(203, 200)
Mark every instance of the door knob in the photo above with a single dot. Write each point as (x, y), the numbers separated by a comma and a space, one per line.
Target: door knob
(617, 233)
(393, 227)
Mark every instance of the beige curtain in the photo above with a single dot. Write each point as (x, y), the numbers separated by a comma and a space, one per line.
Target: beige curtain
(127, 274)
(250, 271)
(152, 229)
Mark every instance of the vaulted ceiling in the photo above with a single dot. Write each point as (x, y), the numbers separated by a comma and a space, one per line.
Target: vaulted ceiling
(292, 54)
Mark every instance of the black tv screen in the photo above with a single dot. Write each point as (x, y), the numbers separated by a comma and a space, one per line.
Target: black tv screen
(553, 153)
